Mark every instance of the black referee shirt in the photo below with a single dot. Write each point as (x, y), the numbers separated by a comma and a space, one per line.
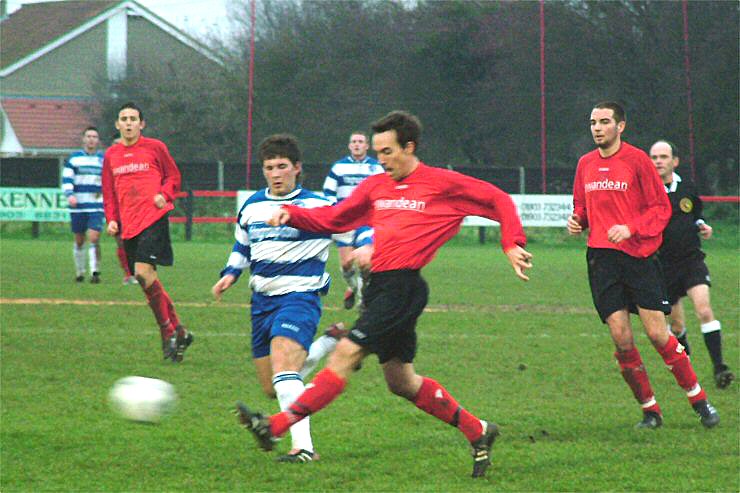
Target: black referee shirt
(681, 236)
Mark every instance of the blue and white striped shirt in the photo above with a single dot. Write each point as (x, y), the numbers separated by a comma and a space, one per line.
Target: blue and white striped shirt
(346, 174)
(82, 178)
(281, 259)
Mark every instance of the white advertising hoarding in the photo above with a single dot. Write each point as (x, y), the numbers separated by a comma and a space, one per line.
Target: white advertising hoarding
(534, 210)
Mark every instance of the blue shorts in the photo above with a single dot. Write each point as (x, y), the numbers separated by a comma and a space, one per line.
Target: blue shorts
(293, 315)
(356, 238)
(82, 221)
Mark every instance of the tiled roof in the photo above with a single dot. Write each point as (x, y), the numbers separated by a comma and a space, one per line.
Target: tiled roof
(37, 24)
(48, 123)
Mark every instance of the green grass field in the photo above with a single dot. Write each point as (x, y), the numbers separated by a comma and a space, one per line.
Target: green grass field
(566, 419)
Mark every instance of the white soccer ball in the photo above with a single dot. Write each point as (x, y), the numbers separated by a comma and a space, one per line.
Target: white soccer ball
(142, 399)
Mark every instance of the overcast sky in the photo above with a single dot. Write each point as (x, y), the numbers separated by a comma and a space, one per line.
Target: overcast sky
(190, 15)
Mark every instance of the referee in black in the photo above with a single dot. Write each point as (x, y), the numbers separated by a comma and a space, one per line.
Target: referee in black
(683, 261)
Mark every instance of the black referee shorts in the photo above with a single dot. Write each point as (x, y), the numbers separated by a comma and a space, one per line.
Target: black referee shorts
(683, 274)
(151, 246)
(393, 302)
(620, 281)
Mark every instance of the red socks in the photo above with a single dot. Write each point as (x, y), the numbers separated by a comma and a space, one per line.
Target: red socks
(161, 304)
(123, 260)
(324, 388)
(634, 373)
(434, 399)
(171, 310)
(679, 364)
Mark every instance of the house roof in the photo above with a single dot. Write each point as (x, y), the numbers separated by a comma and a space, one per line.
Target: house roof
(50, 21)
(47, 123)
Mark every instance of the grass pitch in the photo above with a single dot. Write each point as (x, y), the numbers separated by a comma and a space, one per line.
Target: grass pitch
(532, 357)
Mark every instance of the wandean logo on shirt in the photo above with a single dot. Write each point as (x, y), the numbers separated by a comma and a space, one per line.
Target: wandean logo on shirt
(131, 168)
(352, 180)
(606, 184)
(402, 203)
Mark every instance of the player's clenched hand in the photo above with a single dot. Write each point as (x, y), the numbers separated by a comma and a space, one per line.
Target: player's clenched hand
(618, 233)
(520, 260)
(222, 285)
(705, 231)
(112, 228)
(160, 201)
(573, 225)
(280, 217)
(363, 257)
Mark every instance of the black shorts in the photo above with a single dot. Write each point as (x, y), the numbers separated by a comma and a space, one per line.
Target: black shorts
(151, 246)
(393, 302)
(620, 281)
(683, 274)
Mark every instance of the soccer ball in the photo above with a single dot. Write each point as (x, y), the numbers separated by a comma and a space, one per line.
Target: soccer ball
(142, 399)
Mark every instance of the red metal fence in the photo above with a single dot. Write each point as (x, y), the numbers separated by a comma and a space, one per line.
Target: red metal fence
(189, 219)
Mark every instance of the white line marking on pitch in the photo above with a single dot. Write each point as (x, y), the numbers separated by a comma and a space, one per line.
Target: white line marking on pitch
(446, 308)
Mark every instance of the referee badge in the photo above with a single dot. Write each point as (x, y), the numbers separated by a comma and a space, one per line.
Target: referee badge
(686, 205)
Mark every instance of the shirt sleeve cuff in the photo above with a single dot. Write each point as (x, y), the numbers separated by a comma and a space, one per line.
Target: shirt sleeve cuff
(232, 271)
(518, 242)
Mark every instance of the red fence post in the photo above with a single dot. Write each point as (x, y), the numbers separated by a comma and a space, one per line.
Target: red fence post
(189, 206)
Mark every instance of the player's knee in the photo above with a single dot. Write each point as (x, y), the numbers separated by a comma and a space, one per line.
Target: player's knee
(704, 313)
(622, 336)
(345, 357)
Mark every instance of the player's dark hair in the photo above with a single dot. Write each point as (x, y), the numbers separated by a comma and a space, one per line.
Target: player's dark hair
(280, 145)
(619, 114)
(131, 105)
(674, 149)
(91, 127)
(407, 126)
(359, 132)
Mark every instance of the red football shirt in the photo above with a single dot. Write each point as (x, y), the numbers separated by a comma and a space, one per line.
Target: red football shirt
(132, 176)
(414, 217)
(623, 188)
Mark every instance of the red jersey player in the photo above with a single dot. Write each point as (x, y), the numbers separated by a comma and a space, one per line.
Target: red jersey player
(414, 210)
(619, 196)
(140, 180)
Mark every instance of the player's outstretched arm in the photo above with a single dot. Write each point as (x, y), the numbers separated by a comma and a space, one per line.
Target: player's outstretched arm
(280, 217)
(520, 260)
(222, 285)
